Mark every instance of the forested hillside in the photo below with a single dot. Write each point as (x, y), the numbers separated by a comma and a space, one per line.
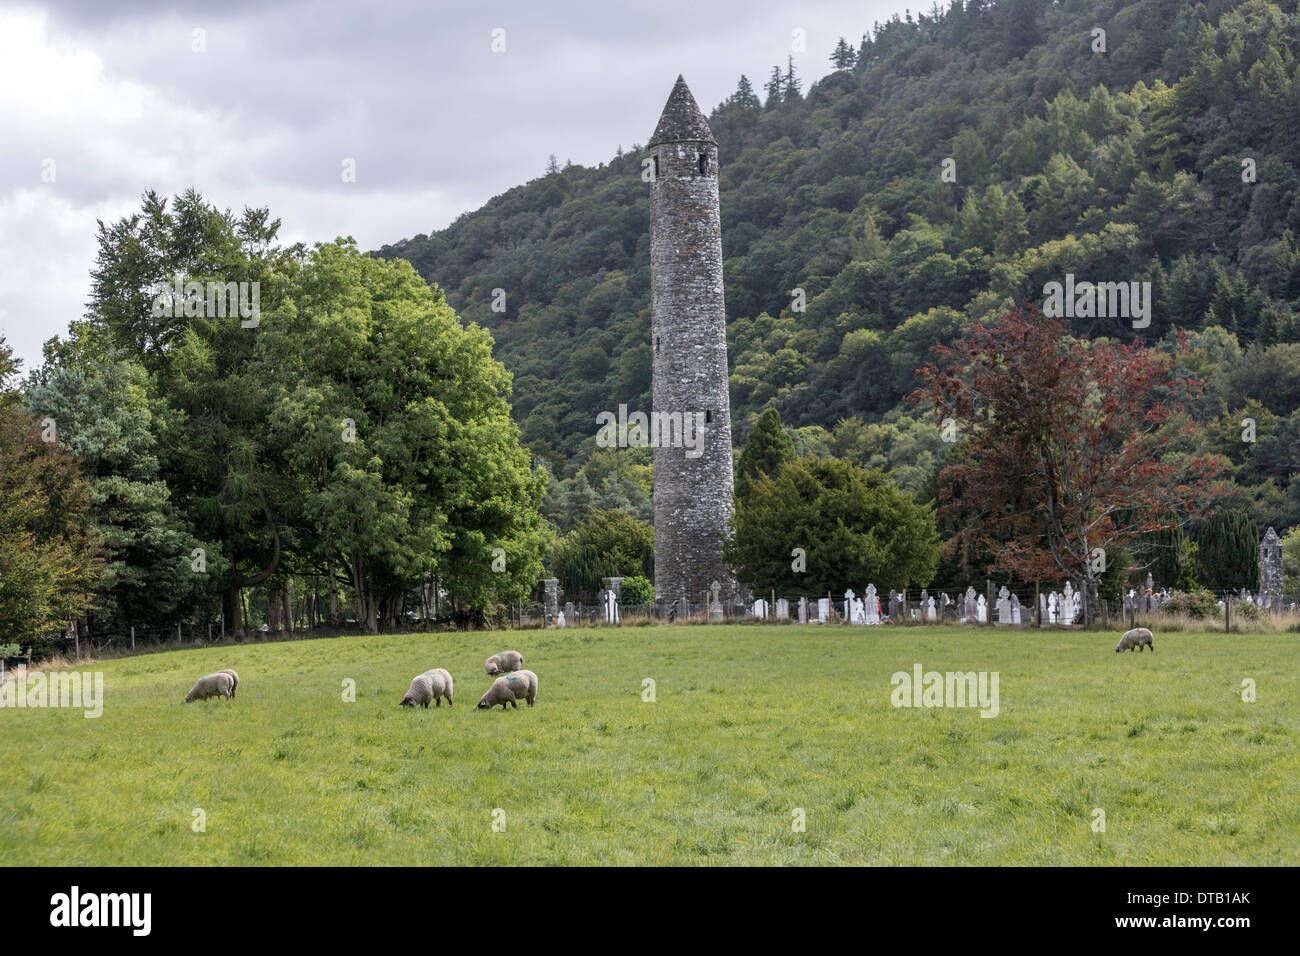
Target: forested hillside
(1117, 158)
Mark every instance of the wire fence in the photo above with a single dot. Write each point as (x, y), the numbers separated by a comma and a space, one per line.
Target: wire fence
(992, 607)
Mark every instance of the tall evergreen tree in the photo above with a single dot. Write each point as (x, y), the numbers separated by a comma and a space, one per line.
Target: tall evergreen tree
(774, 87)
(745, 97)
(1228, 548)
(843, 56)
(790, 83)
(765, 451)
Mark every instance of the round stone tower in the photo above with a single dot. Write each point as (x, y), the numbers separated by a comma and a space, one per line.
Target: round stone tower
(692, 471)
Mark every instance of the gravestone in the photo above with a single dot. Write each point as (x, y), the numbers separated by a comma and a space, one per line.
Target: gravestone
(893, 606)
(872, 603)
(823, 610)
(715, 606)
(971, 612)
(848, 606)
(1054, 608)
(560, 621)
(782, 609)
(1270, 570)
(1015, 609)
(552, 592)
(930, 614)
(981, 610)
(760, 609)
(611, 606)
(803, 610)
(1043, 613)
(1004, 605)
(568, 610)
(946, 608)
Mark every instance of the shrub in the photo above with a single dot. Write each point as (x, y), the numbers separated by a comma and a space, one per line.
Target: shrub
(1199, 603)
(638, 590)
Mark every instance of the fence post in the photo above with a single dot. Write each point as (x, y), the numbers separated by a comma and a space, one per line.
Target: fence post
(132, 637)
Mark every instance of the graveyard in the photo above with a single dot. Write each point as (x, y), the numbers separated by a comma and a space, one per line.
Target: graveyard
(709, 744)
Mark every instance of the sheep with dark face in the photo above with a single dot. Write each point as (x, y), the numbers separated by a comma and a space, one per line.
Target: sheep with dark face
(503, 661)
(1135, 639)
(508, 689)
(432, 685)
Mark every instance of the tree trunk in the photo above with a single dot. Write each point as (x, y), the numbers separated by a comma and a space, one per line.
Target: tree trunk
(232, 609)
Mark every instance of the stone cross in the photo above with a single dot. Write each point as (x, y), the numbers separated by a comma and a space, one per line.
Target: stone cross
(1004, 605)
(715, 608)
(981, 610)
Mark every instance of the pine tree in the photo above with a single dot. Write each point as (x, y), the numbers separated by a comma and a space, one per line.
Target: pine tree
(766, 450)
(552, 165)
(1228, 548)
(774, 88)
(790, 83)
(745, 97)
(844, 56)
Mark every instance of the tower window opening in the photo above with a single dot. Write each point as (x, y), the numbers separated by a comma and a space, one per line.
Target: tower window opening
(704, 164)
(708, 418)
(656, 164)
(656, 343)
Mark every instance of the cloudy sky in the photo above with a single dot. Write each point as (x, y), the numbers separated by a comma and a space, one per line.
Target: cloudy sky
(260, 102)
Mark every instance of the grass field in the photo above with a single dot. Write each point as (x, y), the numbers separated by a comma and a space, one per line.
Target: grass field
(749, 723)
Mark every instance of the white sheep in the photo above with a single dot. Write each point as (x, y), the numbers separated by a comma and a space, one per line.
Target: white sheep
(434, 684)
(220, 684)
(234, 677)
(508, 688)
(503, 661)
(1136, 639)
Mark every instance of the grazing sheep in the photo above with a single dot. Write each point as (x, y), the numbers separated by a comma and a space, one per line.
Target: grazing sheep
(508, 688)
(504, 661)
(1135, 639)
(433, 685)
(220, 684)
(234, 677)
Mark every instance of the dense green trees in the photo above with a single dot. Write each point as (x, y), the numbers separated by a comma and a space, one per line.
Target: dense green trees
(851, 524)
(50, 558)
(1228, 550)
(350, 436)
(607, 544)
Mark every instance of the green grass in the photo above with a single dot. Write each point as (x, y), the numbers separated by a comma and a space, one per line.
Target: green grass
(750, 723)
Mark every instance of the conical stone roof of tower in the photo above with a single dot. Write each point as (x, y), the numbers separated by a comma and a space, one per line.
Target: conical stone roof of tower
(681, 120)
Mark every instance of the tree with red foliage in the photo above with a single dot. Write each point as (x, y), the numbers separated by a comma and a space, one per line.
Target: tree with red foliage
(1070, 447)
